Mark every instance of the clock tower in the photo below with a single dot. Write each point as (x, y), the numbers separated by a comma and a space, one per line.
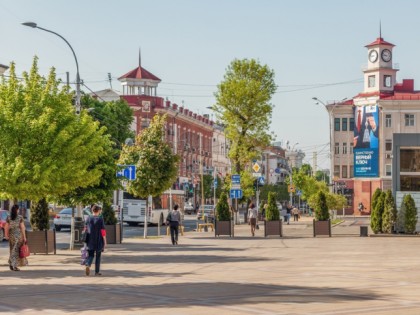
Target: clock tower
(379, 76)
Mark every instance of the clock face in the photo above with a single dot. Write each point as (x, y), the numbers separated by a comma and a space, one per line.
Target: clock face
(386, 55)
(373, 55)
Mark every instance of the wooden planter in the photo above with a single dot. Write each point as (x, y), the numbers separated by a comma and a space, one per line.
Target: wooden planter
(223, 228)
(41, 242)
(322, 228)
(113, 234)
(273, 228)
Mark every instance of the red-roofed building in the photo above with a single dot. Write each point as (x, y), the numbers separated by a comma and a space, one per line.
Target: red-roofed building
(370, 132)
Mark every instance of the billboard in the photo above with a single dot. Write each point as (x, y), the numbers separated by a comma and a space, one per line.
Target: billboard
(366, 141)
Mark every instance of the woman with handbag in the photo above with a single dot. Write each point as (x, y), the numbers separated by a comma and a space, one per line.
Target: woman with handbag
(15, 233)
(252, 216)
(96, 239)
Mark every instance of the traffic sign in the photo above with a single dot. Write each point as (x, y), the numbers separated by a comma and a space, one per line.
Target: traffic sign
(298, 193)
(291, 188)
(261, 180)
(129, 172)
(215, 183)
(256, 174)
(256, 167)
(236, 193)
(277, 170)
(236, 179)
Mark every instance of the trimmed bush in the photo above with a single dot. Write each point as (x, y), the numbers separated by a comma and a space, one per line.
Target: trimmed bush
(40, 219)
(375, 197)
(108, 214)
(389, 217)
(410, 214)
(272, 212)
(222, 208)
(377, 211)
(321, 208)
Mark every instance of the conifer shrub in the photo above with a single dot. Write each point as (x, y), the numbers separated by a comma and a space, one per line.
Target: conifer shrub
(222, 208)
(108, 214)
(272, 212)
(410, 221)
(389, 215)
(321, 208)
(376, 214)
(40, 219)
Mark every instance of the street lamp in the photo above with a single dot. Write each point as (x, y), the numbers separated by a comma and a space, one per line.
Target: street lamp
(34, 25)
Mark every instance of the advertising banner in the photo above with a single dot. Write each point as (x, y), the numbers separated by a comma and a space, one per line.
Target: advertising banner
(366, 142)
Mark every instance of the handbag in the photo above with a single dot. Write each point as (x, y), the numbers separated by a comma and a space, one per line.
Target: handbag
(257, 227)
(24, 251)
(84, 255)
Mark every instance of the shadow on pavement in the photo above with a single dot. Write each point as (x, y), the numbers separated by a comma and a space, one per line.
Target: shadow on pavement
(171, 295)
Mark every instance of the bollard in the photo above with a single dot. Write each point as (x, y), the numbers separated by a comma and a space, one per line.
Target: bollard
(206, 229)
(159, 228)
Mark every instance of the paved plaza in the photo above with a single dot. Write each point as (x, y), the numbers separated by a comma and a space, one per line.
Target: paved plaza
(298, 274)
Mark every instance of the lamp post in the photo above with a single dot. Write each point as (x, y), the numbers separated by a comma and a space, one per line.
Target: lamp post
(291, 176)
(79, 211)
(34, 25)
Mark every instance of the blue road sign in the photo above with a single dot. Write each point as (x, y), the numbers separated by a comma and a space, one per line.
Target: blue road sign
(299, 193)
(215, 183)
(129, 172)
(236, 179)
(261, 180)
(277, 170)
(236, 193)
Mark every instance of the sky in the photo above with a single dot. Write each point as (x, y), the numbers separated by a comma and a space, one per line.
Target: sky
(316, 49)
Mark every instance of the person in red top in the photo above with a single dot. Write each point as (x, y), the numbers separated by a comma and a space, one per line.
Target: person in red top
(95, 240)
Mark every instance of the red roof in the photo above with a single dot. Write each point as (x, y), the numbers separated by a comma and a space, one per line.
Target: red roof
(402, 91)
(380, 41)
(140, 73)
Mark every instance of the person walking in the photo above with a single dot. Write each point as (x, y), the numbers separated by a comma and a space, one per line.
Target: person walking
(252, 217)
(174, 221)
(15, 233)
(295, 212)
(96, 239)
(288, 213)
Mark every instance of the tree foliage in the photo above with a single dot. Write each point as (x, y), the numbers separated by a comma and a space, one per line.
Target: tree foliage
(321, 207)
(272, 212)
(243, 106)
(410, 219)
(280, 191)
(40, 220)
(156, 165)
(222, 209)
(389, 215)
(377, 212)
(108, 213)
(45, 149)
(375, 198)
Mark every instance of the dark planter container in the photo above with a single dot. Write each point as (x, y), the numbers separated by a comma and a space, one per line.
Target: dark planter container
(322, 228)
(223, 228)
(41, 242)
(113, 234)
(273, 228)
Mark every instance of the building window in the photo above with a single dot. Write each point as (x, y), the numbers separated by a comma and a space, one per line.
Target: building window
(344, 171)
(336, 170)
(344, 124)
(337, 124)
(387, 80)
(371, 81)
(337, 148)
(351, 124)
(351, 171)
(351, 147)
(388, 145)
(344, 148)
(388, 121)
(409, 120)
(388, 170)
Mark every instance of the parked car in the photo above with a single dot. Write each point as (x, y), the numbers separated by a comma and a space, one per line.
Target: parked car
(63, 218)
(3, 216)
(208, 211)
(189, 209)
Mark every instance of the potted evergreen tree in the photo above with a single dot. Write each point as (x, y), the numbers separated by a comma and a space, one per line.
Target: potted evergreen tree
(322, 222)
(223, 222)
(377, 208)
(389, 215)
(41, 240)
(113, 230)
(410, 218)
(272, 222)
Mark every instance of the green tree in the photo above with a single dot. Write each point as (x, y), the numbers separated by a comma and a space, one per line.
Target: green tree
(321, 176)
(321, 208)
(45, 149)
(156, 165)
(243, 106)
(280, 191)
(108, 213)
(389, 215)
(375, 197)
(410, 214)
(272, 213)
(40, 219)
(377, 211)
(222, 209)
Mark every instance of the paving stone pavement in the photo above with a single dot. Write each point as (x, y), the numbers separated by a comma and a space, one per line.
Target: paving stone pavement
(296, 274)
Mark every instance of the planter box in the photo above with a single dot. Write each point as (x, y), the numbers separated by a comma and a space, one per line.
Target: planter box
(41, 242)
(113, 234)
(273, 228)
(222, 228)
(322, 228)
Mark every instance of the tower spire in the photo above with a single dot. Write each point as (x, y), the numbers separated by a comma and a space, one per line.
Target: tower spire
(380, 29)
(139, 57)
